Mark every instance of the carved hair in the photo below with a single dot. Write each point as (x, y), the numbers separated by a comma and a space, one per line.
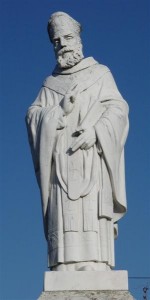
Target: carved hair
(51, 24)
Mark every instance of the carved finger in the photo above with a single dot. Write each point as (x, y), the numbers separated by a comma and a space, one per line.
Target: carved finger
(89, 145)
(78, 144)
(79, 138)
(83, 146)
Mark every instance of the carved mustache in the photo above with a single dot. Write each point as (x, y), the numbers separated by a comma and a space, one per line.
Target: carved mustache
(64, 50)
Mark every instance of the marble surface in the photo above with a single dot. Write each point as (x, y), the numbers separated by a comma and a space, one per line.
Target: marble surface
(85, 280)
(77, 129)
(87, 295)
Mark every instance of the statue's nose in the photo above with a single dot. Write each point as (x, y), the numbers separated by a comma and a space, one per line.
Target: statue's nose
(63, 42)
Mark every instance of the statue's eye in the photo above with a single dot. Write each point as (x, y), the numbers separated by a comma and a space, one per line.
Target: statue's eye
(56, 42)
(69, 37)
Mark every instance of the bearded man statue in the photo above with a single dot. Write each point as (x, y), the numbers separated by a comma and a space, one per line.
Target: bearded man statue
(77, 129)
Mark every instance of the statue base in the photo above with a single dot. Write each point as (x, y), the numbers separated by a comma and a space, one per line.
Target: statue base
(86, 285)
(85, 280)
(86, 295)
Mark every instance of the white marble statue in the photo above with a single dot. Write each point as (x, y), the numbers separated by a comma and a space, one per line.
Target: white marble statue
(77, 129)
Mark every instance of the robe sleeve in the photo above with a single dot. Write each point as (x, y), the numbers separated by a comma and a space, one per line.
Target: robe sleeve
(42, 121)
(42, 109)
(111, 131)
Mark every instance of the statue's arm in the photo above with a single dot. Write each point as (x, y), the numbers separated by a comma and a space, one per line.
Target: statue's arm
(44, 115)
(44, 109)
(111, 131)
(108, 116)
(113, 124)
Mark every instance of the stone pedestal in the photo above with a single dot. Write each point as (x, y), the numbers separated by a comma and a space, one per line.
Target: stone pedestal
(86, 295)
(86, 280)
(86, 285)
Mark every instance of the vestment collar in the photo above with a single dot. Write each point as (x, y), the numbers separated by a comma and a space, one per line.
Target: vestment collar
(83, 64)
(92, 70)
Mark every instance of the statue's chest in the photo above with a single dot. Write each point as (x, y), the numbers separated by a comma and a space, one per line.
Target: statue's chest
(67, 81)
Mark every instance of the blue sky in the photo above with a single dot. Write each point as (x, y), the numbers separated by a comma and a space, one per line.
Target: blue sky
(116, 33)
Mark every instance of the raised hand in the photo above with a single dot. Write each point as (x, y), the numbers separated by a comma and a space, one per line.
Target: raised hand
(69, 99)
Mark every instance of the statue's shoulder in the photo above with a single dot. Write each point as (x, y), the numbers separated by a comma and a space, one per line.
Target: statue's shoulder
(48, 80)
(95, 72)
(101, 69)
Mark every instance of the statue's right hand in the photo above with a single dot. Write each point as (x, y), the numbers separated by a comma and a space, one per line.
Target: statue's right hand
(69, 99)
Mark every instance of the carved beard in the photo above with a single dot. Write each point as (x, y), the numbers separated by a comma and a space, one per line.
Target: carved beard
(69, 57)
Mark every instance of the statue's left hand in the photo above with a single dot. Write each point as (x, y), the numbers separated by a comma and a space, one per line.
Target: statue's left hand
(85, 140)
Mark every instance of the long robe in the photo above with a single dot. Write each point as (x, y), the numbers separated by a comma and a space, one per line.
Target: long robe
(83, 193)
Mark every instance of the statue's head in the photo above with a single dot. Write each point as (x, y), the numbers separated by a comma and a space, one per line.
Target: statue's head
(64, 33)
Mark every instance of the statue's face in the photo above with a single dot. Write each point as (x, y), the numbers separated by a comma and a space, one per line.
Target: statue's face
(67, 46)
